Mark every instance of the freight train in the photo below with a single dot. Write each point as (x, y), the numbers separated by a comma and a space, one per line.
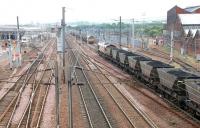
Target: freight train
(175, 84)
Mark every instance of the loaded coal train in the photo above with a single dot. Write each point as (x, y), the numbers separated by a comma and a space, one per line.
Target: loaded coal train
(175, 84)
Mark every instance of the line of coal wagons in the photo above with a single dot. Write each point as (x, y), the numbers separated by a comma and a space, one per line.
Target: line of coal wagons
(178, 85)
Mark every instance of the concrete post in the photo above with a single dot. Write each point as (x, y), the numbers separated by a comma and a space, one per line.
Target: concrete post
(10, 52)
(195, 48)
(120, 32)
(19, 59)
(63, 40)
(57, 96)
(133, 32)
(172, 45)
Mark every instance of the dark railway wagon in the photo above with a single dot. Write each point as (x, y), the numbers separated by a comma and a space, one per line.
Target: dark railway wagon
(172, 82)
(115, 54)
(134, 63)
(123, 58)
(177, 85)
(193, 92)
(149, 70)
(109, 51)
(104, 49)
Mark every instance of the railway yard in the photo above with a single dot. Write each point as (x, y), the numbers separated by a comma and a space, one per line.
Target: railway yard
(100, 64)
(138, 105)
(92, 90)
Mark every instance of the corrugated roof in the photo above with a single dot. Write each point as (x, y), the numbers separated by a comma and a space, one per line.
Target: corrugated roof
(192, 9)
(189, 19)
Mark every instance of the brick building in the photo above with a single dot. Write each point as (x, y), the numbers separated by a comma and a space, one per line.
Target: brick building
(185, 24)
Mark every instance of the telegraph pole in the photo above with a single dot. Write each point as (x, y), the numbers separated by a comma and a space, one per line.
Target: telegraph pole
(57, 96)
(143, 43)
(120, 32)
(63, 40)
(195, 48)
(133, 32)
(19, 59)
(60, 65)
(58, 74)
(172, 43)
(0, 41)
(10, 52)
(81, 38)
(87, 36)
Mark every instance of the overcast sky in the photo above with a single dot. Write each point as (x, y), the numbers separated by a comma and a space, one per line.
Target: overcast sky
(44, 11)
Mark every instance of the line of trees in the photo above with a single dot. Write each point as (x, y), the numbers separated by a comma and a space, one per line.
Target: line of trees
(146, 29)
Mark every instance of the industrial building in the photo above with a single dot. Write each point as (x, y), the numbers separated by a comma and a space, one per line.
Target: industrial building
(185, 25)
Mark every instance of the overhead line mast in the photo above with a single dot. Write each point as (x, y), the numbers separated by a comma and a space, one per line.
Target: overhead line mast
(120, 32)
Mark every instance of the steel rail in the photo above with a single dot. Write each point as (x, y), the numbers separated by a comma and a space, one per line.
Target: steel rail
(147, 119)
(169, 102)
(89, 85)
(35, 90)
(36, 62)
(18, 96)
(43, 103)
(124, 113)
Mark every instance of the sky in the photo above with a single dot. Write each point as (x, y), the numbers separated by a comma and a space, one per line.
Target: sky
(49, 11)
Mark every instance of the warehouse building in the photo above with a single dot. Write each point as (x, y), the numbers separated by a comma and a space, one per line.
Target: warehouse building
(185, 25)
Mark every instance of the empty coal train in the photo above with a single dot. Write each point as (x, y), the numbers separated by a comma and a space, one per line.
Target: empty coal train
(175, 84)
(85, 38)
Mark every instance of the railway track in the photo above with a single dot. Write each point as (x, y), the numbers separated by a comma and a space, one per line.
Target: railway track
(38, 96)
(177, 112)
(179, 61)
(165, 113)
(36, 108)
(132, 112)
(17, 112)
(18, 89)
(94, 111)
(187, 118)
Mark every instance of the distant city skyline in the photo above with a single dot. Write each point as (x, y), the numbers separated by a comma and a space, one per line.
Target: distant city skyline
(49, 11)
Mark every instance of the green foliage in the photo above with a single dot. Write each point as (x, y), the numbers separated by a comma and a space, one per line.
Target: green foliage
(154, 30)
(150, 29)
(146, 29)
